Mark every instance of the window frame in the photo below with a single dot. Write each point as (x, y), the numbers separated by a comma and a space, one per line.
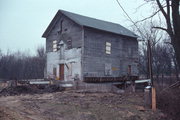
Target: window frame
(108, 48)
(54, 46)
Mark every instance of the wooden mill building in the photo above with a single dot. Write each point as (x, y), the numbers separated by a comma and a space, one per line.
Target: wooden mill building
(87, 48)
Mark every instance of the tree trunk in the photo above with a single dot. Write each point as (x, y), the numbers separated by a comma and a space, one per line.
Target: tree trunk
(175, 38)
(176, 45)
(176, 69)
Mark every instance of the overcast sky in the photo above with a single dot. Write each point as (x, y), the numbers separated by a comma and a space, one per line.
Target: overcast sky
(22, 22)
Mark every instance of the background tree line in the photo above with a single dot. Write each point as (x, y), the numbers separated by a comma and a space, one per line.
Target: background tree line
(164, 61)
(18, 65)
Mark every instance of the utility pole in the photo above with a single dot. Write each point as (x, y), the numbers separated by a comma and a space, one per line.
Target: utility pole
(153, 91)
(150, 62)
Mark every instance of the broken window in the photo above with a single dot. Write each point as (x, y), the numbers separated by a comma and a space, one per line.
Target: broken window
(54, 45)
(69, 44)
(108, 48)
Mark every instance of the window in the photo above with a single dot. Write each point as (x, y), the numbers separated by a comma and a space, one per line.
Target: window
(108, 48)
(69, 44)
(54, 45)
(129, 69)
(108, 69)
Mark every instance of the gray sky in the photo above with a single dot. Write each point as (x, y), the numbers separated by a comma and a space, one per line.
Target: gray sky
(22, 22)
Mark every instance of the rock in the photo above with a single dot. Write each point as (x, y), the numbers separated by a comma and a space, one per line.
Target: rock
(140, 108)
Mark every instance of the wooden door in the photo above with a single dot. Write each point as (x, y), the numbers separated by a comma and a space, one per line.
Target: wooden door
(129, 69)
(61, 72)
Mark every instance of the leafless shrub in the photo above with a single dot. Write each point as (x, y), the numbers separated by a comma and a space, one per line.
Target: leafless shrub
(168, 102)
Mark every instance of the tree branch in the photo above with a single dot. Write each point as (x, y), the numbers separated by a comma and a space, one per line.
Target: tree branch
(161, 8)
(160, 28)
(148, 17)
(155, 13)
(168, 9)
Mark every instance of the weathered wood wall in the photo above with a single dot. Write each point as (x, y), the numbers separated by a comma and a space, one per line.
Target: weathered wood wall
(70, 30)
(124, 52)
(93, 59)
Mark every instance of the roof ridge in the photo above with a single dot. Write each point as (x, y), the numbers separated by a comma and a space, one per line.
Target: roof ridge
(91, 17)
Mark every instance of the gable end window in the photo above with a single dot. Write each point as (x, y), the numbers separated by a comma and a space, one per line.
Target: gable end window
(54, 45)
(108, 48)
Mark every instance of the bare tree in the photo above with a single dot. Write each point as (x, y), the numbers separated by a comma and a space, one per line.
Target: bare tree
(40, 51)
(171, 13)
(162, 61)
(160, 51)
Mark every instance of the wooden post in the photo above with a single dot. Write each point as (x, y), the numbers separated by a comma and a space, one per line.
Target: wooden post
(153, 99)
(153, 90)
(133, 86)
(147, 97)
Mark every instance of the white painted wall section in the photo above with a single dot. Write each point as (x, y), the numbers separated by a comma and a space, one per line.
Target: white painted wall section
(52, 62)
(71, 61)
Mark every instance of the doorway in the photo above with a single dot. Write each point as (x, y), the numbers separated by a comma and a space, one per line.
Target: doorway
(129, 69)
(61, 72)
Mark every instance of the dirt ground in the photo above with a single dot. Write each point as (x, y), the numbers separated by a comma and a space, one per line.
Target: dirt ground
(76, 105)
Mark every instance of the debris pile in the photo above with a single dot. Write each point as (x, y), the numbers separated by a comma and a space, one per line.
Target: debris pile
(29, 89)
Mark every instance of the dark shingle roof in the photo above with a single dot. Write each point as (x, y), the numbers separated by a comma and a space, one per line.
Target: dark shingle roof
(97, 24)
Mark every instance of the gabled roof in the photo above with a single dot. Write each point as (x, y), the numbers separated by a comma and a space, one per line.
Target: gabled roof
(91, 22)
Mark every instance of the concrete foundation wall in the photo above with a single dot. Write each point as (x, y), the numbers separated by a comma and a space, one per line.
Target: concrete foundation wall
(52, 62)
(95, 87)
(73, 63)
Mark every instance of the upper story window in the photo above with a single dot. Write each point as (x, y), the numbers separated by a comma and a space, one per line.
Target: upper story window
(54, 45)
(108, 48)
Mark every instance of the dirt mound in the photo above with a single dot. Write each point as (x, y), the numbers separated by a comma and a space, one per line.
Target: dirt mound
(30, 89)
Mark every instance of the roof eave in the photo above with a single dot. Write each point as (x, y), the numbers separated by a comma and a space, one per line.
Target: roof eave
(135, 36)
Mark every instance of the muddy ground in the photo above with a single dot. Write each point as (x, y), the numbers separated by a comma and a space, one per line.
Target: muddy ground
(76, 105)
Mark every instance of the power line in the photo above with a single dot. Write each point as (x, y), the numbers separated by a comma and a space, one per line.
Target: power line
(125, 12)
(129, 17)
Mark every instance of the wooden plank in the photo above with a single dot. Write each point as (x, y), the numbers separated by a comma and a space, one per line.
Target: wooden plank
(153, 99)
